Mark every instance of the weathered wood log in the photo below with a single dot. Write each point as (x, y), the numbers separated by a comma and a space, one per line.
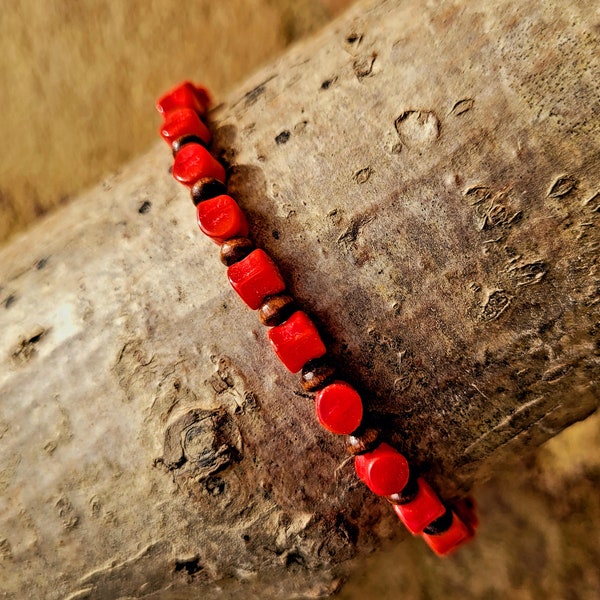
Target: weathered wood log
(428, 180)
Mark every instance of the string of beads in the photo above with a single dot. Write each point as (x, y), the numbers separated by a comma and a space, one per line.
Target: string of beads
(294, 337)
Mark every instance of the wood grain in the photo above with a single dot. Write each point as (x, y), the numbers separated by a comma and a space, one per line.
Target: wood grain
(427, 179)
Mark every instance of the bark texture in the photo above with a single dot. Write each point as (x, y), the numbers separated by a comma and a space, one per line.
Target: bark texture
(427, 178)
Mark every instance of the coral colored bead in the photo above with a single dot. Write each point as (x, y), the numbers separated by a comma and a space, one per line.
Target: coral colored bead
(255, 277)
(221, 218)
(444, 543)
(184, 95)
(339, 408)
(296, 341)
(422, 510)
(384, 470)
(183, 121)
(194, 162)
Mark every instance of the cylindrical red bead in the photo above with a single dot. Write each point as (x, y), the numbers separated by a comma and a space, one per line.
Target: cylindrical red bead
(422, 510)
(466, 509)
(444, 543)
(339, 408)
(221, 218)
(384, 470)
(183, 121)
(194, 162)
(184, 95)
(254, 277)
(296, 341)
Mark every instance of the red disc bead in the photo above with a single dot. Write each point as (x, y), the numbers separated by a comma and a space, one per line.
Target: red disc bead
(184, 95)
(194, 162)
(255, 277)
(444, 543)
(339, 408)
(422, 510)
(296, 341)
(221, 218)
(384, 470)
(183, 121)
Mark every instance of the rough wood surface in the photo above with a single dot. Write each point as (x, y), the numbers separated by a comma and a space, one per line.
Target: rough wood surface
(427, 177)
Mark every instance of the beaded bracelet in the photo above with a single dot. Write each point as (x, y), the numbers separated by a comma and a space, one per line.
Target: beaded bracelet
(293, 336)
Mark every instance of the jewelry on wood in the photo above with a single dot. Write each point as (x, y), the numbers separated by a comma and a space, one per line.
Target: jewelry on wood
(294, 337)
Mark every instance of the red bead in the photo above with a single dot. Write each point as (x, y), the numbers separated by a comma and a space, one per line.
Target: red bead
(444, 543)
(184, 95)
(296, 341)
(384, 470)
(466, 509)
(339, 408)
(194, 162)
(183, 121)
(255, 277)
(422, 510)
(221, 218)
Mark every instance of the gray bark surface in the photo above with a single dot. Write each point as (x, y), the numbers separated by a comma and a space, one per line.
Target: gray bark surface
(427, 177)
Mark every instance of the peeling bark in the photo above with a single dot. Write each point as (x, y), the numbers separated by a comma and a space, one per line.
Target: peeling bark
(428, 181)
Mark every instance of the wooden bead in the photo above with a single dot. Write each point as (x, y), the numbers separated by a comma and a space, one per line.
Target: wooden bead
(408, 493)
(362, 441)
(444, 543)
(206, 188)
(440, 525)
(422, 510)
(180, 142)
(316, 374)
(235, 249)
(276, 309)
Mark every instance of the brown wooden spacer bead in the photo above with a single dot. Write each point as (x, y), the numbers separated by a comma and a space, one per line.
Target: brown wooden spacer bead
(440, 525)
(276, 309)
(362, 441)
(207, 188)
(179, 143)
(235, 249)
(408, 493)
(317, 373)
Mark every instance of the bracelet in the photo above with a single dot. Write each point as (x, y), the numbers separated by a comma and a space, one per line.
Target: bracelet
(293, 336)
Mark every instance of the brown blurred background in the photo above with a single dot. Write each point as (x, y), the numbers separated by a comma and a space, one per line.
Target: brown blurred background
(78, 80)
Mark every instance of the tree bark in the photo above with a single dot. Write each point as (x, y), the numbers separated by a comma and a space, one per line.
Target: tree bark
(427, 177)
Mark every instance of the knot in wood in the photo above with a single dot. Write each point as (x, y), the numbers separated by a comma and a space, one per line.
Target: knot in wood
(201, 443)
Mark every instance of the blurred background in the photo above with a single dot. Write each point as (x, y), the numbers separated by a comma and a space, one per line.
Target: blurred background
(78, 81)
